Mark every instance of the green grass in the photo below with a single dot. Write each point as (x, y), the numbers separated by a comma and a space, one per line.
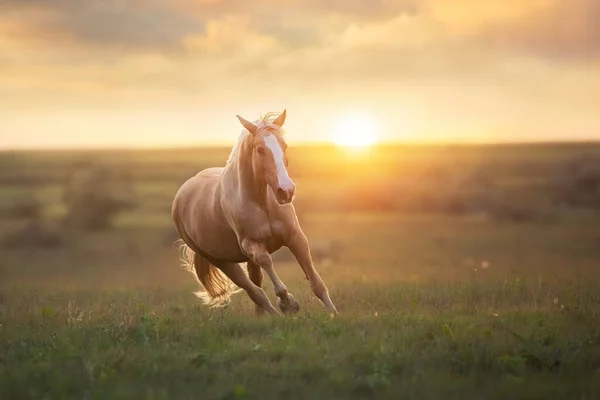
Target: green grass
(405, 340)
(419, 318)
(432, 306)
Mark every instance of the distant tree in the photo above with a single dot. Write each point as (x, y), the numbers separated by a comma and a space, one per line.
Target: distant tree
(95, 194)
(27, 207)
(578, 182)
(25, 226)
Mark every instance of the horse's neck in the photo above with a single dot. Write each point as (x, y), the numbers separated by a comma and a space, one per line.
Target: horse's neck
(252, 188)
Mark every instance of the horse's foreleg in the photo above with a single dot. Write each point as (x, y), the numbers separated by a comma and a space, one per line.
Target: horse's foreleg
(239, 277)
(299, 247)
(261, 257)
(256, 276)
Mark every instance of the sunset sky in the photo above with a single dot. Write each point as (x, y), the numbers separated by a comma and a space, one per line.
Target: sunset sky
(150, 73)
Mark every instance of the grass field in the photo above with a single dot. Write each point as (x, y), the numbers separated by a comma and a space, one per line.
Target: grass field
(435, 303)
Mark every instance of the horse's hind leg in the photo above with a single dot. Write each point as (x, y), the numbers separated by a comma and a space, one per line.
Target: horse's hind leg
(261, 257)
(239, 277)
(256, 276)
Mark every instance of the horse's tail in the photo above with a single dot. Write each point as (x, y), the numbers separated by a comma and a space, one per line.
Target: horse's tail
(217, 288)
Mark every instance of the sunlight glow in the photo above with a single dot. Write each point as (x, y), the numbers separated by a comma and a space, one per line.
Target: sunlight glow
(356, 130)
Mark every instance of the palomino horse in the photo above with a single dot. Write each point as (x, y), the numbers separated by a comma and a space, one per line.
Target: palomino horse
(243, 212)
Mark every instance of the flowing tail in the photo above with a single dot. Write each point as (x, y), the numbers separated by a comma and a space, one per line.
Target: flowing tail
(217, 288)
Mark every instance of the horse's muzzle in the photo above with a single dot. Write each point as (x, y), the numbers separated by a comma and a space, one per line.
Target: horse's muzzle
(285, 196)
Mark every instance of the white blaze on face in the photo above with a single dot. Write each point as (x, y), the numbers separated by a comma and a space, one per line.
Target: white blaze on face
(284, 180)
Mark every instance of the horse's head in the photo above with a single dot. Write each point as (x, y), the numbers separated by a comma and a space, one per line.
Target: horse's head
(269, 160)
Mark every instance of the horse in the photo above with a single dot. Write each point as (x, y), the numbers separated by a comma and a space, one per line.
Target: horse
(242, 213)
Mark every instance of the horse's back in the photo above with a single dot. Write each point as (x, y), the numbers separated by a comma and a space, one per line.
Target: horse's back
(202, 185)
(209, 172)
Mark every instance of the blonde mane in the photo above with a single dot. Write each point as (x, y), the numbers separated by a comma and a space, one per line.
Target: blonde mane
(263, 123)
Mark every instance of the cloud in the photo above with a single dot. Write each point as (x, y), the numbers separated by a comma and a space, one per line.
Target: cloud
(183, 47)
(119, 23)
(541, 28)
(152, 23)
(569, 29)
(264, 9)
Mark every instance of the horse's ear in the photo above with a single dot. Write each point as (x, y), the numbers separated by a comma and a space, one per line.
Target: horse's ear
(247, 124)
(280, 119)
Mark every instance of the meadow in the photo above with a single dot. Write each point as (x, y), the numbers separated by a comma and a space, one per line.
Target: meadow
(460, 272)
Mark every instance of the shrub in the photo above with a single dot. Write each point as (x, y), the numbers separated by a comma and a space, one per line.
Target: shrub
(475, 193)
(31, 233)
(578, 182)
(95, 194)
(24, 209)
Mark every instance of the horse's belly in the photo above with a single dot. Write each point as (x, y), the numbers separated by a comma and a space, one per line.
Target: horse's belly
(220, 244)
(214, 237)
(203, 221)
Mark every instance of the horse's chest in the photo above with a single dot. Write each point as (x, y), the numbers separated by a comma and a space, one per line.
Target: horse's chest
(270, 233)
(277, 237)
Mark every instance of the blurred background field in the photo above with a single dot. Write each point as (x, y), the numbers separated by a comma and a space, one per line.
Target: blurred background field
(476, 265)
(409, 212)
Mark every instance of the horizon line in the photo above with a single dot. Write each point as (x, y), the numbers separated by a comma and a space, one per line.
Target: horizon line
(385, 143)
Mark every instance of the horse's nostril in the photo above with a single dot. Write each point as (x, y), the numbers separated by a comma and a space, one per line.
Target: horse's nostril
(280, 193)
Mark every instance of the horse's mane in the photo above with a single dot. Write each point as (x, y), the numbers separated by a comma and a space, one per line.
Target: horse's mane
(264, 122)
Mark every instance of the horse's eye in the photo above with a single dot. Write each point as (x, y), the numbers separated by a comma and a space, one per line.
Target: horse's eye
(261, 151)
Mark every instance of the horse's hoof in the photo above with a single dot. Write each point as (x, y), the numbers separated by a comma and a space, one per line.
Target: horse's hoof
(288, 305)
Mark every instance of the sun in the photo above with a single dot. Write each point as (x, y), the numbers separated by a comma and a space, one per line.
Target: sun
(356, 131)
